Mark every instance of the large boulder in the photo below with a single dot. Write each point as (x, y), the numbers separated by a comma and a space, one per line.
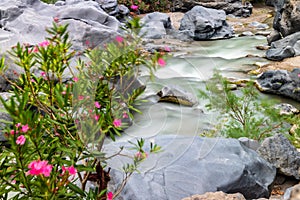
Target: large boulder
(235, 7)
(284, 48)
(282, 154)
(287, 16)
(155, 25)
(202, 23)
(280, 82)
(26, 21)
(192, 165)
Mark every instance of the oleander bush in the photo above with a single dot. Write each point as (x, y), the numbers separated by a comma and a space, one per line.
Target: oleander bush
(58, 128)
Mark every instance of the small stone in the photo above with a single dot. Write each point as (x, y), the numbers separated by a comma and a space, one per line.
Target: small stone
(216, 196)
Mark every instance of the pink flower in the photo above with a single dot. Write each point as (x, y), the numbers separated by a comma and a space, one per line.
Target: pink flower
(72, 170)
(119, 39)
(38, 167)
(161, 62)
(97, 104)
(298, 75)
(110, 196)
(125, 115)
(18, 125)
(140, 156)
(56, 19)
(43, 74)
(134, 7)
(167, 49)
(63, 92)
(96, 117)
(44, 44)
(80, 97)
(117, 123)
(25, 128)
(75, 79)
(21, 140)
(12, 132)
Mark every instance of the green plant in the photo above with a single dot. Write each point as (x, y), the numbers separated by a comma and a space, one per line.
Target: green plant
(242, 112)
(58, 128)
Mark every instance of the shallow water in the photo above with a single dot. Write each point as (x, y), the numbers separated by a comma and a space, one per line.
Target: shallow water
(190, 69)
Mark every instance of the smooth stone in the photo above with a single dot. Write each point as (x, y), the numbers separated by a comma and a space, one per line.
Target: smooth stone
(192, 165)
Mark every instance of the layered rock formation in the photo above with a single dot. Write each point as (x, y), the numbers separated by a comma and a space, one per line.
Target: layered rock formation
(235, 7)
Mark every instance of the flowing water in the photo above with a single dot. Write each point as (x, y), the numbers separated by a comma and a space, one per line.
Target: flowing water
(190, 69)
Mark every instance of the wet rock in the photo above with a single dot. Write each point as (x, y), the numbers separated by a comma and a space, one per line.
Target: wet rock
(193, 165)
(247, 33)
(280, 82)
(155, 25)
(284, 48)
(202, 23)
(234, 7)
(286, 109)
(216, 196)
(258, 25)
(282, 154)
(292, 193)
(174, 94)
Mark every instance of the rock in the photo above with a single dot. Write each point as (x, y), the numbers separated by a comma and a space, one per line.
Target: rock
(292, 193)
(262, 47)
(4, 116)
(280, 82)
(204, 24)
(263, 33)
(109, 6)
(278, 151)
(192, 165)
(258, 25)
(286, 109)
(247, 33)
(287, 17)
(216, 196)
(273, 36)
(284, 48)
(155, 25)
(234, 7)
(174, 94)
(88, 22)
(250, 143)
(12, 73)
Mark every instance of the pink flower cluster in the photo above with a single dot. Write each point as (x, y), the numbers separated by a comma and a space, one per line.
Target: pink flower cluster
(110, 196)
(134, 7)
(40, 167)
(117, 123)
(20, 128)
(71, 170)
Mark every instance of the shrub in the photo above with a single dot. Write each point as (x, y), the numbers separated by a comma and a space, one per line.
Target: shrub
(58, 127)
(242, 113)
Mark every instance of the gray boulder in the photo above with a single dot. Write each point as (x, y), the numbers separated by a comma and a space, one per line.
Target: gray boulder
(280, 82)
(234, 7)
(282, 154)
(284, 48)
(25, 22)
(287, 17)
(155, 25)
(193, 165)
(205, 23)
